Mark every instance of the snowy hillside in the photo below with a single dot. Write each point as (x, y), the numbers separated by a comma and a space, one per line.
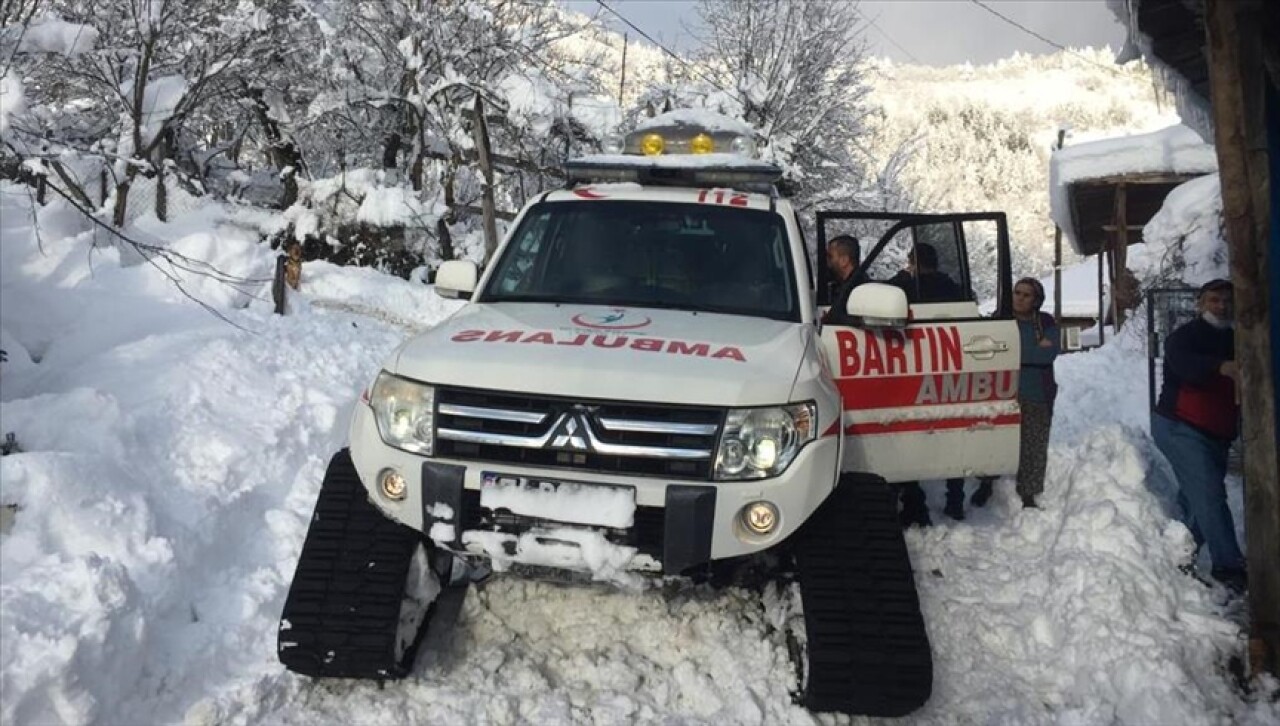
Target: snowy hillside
(171, 461)
(981, 135)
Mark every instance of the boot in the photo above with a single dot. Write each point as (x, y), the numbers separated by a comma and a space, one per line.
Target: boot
(1235, 580)
(914, 510)
(1029, 502)
(955, 500)
(986, 486)
(918, 516)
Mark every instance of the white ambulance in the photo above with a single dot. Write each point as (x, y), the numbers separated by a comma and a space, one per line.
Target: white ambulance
(641, 382)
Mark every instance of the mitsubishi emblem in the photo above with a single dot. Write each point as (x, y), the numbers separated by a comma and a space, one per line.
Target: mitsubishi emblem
(570, 433)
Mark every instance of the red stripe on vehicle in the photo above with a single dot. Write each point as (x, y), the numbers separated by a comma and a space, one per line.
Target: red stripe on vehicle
(872, 428)
(938, 389)
(832, 430)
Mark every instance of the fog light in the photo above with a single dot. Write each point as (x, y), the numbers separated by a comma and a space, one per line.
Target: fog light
(392, 484)
(702, 144)
(652, 144)
(760, 517)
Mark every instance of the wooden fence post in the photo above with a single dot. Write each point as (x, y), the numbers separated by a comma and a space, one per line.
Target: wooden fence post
(278, 286)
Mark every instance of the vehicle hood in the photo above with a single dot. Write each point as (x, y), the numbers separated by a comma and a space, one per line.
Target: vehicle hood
(632, 354)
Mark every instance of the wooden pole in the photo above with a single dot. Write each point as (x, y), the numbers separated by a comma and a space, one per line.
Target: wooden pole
(1102, 310)
(487, 206)
(622, 85)
(1238, 86)
(1118, 250)
(1057, 255)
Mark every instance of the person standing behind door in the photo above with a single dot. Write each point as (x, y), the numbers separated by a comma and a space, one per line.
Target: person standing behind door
(844, 254)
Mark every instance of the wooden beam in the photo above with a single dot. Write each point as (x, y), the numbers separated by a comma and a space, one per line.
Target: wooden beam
(1102, 310)
(1237, 81)
(1057, 253)
(1119, 245)
(1153, 177)
(481, 130)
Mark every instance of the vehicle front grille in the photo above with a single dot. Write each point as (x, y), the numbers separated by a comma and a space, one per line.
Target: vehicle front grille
(645, 534)
(669, 441)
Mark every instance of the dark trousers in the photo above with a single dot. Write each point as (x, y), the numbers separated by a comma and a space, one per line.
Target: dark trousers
(913, 496)
(1200, 465)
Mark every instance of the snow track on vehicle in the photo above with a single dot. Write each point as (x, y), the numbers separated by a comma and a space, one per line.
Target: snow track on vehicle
(342, 617)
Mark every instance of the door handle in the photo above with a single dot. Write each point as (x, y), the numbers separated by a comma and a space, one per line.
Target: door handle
(984, 347)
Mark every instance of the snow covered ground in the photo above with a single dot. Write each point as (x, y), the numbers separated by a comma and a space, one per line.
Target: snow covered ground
(171, 461)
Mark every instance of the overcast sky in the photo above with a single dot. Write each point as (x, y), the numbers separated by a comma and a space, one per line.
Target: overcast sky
(934, 32)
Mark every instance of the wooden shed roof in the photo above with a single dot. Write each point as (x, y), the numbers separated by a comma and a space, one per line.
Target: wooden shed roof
(1093, 206)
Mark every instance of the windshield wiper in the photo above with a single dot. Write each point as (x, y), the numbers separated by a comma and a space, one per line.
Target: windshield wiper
(697, 307)
(527, 298)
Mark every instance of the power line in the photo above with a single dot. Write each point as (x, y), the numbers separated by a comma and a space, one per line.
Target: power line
(1041, 38)
(664, 48)
(871, 21)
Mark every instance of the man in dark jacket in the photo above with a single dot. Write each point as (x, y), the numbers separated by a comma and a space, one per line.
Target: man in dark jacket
(1195, 422)
(922, 281)
(844, 254)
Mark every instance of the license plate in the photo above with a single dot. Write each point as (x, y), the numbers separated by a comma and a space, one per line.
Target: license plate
(602, 505)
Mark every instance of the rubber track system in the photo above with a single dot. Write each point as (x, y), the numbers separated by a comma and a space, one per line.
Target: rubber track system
(343, 608)
(868, 651)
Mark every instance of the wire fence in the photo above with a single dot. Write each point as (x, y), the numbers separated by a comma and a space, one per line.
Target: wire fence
(143, 194)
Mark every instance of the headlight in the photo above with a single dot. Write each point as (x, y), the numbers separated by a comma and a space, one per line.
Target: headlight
(744, 146)
(612, 144)
(762, 442)
(405, 413)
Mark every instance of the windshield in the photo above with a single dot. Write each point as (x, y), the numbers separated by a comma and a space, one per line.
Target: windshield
(650, 254)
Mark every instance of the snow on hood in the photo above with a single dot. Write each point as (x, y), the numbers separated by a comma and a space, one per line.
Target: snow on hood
(610, 353)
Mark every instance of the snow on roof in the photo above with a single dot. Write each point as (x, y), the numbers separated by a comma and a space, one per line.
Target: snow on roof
(700, 117)
(677, 161)
(1183, 241)
(1177, 150)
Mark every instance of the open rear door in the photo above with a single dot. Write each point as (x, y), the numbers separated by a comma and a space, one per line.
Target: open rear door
(937, 397)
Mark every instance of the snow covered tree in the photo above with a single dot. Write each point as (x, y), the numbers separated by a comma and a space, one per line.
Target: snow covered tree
(793, 69)
(152, 66)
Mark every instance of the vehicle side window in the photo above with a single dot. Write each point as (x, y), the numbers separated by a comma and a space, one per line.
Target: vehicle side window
(519, 275)
(926, 261)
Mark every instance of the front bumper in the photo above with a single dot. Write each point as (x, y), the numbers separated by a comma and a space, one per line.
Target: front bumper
(677, 524)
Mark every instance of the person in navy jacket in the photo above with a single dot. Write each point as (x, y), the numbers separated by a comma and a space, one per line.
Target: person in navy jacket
(1196, 419)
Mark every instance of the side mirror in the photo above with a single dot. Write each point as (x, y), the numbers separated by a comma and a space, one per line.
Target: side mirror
(457, 279)
(876, 305)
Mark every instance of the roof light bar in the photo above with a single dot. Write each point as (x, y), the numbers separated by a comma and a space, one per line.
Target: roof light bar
(732, 171)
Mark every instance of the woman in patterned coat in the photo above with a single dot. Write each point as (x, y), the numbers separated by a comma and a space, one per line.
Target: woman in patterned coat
(1037, 386)
(1037, 389)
